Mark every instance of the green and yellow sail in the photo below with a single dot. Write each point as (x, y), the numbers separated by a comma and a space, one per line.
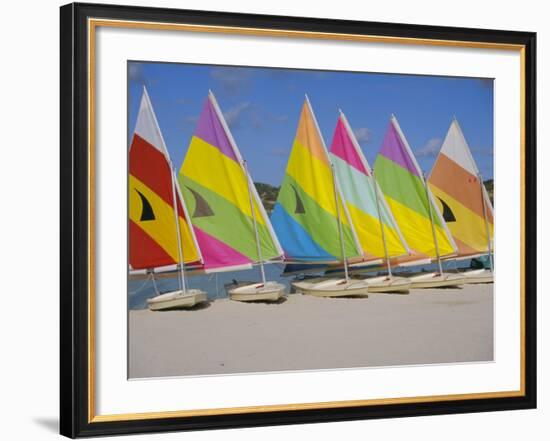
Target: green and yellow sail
(214, 184)
(402, 183)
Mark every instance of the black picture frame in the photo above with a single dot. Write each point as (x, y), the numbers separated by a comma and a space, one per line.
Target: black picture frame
(76, 417)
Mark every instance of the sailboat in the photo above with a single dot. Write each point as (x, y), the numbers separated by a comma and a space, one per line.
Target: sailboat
(158, 228)
(412, 204)
(458, 187)
(309, 216)
(377, 231)
(232, 228)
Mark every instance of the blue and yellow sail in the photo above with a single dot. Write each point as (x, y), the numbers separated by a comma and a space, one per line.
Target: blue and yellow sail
(305, 216)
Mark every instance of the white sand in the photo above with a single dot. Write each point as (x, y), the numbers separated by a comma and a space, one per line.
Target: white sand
(425, 326)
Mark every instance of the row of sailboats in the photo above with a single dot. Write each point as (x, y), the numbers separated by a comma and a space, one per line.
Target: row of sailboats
(332, 211)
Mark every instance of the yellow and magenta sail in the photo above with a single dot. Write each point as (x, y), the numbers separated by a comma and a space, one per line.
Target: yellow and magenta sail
(213, 181)
(402, 183)
(358, 189)
(152, 235)
(305, 217)
(456, 184)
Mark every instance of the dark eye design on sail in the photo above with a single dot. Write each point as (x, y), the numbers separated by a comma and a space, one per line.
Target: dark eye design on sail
(448, 214)
(147, 213)
(202, 209)
(299, 204)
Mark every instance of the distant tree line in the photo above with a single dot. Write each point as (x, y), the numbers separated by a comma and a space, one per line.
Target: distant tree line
(268, 195)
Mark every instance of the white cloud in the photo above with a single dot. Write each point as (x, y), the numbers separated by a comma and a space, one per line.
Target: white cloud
(363, 134)
(234, 115)
(431, 148)
(279, 152)
(280, 118)
(135, 73)
(191, 120)
(232, 81)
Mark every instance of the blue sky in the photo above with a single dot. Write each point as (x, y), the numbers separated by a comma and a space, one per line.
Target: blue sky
(262, 107)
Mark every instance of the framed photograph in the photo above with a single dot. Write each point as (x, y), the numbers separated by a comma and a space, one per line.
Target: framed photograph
(274, 220)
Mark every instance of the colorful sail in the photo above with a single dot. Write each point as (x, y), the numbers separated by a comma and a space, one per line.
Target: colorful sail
(402, 183)
(456, 184)
(213, 181)
(153, 236)
(358, 188)
(305, 217)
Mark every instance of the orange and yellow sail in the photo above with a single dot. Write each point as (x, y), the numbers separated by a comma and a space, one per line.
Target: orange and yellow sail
(153, 238)
(456, 184)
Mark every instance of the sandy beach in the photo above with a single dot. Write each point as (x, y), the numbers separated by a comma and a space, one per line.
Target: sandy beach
(425, 326)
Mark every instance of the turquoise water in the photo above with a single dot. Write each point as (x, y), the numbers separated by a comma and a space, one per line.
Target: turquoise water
(140, 290)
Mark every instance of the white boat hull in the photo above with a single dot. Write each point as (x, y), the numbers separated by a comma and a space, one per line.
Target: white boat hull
(436, 280)
(267, 292)
(177, 300)
(332, 288)
(385, 284)
(478, 276)
(296, 284)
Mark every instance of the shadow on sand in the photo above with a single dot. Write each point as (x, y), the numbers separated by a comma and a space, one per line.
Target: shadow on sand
(450, 287)
(197, 307)
(280, 301)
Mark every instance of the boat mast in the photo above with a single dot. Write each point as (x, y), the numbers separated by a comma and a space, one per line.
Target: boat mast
(253, 193)
(375, 185)
(340, 231)
(253, 211)
(487, 231)
(176, 217)
(432, 224)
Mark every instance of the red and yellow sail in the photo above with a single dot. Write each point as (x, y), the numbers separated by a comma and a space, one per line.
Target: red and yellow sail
(153, 238)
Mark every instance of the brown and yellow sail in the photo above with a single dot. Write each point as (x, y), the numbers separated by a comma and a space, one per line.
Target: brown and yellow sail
(456, 184)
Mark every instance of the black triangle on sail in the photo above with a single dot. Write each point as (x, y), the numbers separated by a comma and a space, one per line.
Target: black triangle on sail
(299, 204)
(202, 208)
(448, 214)
(147, 213)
